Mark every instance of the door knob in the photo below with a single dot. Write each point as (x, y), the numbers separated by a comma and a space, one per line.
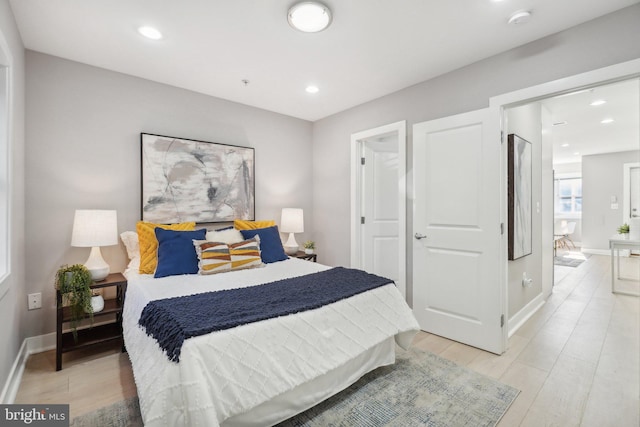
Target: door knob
(419, 236)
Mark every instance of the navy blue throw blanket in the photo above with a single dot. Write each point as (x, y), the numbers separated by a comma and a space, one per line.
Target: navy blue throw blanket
(172, 320)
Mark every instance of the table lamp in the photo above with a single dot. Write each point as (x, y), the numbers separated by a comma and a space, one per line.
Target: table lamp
(292, 221)
(92, 229)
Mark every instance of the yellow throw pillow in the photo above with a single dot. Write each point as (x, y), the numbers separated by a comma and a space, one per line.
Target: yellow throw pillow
(149, 243)
(240, 224)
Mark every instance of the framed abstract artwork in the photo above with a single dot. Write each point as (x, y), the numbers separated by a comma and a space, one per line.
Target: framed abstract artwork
(519, 171)
(188, 180)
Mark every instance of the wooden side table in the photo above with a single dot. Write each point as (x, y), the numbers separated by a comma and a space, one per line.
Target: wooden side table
(309, 257)
(98, 334)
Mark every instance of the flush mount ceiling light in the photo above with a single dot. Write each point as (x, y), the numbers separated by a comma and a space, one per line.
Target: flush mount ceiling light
(520, 17)
(565, 145)
(150, 33)
(309, 16)
(312, 89)
(598, 102)
(607, 121)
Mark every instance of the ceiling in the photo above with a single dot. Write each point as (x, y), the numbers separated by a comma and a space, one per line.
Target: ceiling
(372, 48)
(578, 128)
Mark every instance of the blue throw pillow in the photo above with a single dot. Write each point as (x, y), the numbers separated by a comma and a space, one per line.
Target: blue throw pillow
(176, 253)
(271, 249)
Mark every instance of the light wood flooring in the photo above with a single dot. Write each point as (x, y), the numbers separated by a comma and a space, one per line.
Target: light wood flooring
(576, 361)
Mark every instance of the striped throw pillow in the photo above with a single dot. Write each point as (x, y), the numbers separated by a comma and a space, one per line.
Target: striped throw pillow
(218, 257)
(245, 254)
(213, 257)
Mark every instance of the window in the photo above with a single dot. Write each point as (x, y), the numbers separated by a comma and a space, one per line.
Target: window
(568, 196)
(5, 193)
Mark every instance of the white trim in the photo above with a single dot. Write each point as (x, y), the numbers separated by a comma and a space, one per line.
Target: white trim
(626, 191)
(617, 72)
(29, 346)
(5, 252)
(525, 313)
(606, 252)
(400, 128)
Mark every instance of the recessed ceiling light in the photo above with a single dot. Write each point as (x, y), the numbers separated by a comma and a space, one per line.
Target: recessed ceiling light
(565, 145)
(598, 102)
(520, 17)
(312, 89)
(309, 16)
(562, 123)
(577, 153)
(607, 121)
(150, 33)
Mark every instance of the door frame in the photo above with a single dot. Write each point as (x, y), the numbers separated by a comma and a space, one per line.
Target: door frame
(357, 141)
(498, 104)
(626, 190)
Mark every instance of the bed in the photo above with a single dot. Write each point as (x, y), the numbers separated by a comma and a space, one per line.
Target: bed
(264, 372)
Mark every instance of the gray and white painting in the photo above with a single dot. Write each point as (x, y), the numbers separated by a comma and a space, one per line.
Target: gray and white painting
(186, 180)
(520, 170)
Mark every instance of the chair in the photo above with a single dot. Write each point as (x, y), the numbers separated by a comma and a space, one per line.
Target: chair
(561, 235)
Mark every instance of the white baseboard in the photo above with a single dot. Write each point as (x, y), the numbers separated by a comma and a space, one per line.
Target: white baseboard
(29, 346)
(518, 319)
(596, 251)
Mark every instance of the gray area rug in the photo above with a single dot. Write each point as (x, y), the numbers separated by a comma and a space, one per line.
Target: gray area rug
(421, 389)
(567, 261)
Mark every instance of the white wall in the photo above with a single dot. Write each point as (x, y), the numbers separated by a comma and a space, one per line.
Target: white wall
(14, 301)
(602, 177)
(83, 151)
(579, 49)
(526, 122)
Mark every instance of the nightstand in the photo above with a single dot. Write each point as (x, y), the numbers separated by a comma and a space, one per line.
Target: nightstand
(302, 255)
(97, 334)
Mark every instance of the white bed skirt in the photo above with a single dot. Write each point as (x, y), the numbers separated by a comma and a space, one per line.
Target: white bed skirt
(311, 393)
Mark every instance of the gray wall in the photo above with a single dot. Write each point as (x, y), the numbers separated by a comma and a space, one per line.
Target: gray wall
(14, 301)
(83, 151)
(602, 177)
(526, 122)
(579, 49)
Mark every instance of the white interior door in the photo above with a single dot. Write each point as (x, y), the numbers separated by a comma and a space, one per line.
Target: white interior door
(380, 231)
(378, 202)
(458, 289)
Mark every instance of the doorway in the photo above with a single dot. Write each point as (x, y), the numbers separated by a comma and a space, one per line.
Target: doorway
(591, 232)
(378, 202)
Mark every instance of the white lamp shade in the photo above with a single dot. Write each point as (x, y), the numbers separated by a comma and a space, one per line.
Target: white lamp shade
(292, 220)
(94, 228)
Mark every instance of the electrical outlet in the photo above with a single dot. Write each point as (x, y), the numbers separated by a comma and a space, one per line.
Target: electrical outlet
(526, 281)
(35, 301)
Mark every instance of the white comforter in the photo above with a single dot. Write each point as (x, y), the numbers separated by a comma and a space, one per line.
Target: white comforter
(228, 372)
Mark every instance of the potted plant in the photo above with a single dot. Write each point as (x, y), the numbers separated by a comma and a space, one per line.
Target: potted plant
(624, 230)
(74, 282)
(309, 246)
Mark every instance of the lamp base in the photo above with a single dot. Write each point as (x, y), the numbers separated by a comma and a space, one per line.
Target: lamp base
(96, 265)
(291, 246)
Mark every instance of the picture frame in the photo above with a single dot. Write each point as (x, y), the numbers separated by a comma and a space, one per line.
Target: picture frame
(519, 196)
(190, 180)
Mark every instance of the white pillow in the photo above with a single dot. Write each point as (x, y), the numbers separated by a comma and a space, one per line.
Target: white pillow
(228, 236)
(130, 240)
(134, 266)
